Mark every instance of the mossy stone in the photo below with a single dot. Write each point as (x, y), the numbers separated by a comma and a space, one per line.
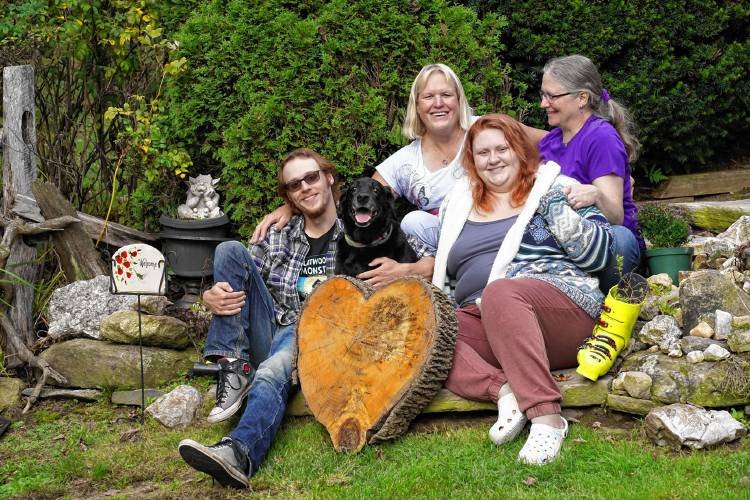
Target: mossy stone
(91, 363)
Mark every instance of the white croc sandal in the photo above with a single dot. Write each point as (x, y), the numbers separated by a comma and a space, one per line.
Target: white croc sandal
(543, 444)
(510, 420)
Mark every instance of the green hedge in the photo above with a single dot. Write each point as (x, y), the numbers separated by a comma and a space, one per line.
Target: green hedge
(681, 66)
(266, 78)
(334, 76)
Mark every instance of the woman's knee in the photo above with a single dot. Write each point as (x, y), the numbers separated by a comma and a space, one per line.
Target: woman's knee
(422, 225)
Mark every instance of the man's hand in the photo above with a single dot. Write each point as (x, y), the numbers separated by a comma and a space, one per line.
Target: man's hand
(221, 300)
(385, 269)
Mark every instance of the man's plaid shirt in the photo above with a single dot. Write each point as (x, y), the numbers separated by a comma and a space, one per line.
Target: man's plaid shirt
(279, 259)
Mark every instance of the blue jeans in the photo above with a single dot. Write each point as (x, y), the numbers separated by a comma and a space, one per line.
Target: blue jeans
(253, 335)
(626, 245)
(246, 335)
(266, 402)
(424, 226)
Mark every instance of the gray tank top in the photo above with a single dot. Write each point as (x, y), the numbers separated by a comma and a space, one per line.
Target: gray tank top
(471, 257)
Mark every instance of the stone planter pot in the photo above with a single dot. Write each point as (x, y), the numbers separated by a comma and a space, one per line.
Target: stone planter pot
(669, 260)
(189, 244)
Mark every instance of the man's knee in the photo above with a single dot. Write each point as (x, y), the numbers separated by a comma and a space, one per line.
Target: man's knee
(276, 368)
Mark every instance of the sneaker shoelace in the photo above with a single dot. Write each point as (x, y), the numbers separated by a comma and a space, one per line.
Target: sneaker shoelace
(223, 383)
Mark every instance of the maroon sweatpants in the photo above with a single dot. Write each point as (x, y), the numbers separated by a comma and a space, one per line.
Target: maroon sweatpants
(525, 328)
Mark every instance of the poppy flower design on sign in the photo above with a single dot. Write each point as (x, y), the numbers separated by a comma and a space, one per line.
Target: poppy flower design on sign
(138, 269)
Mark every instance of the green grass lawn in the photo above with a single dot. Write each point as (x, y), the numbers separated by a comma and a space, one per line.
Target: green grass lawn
(67, 449)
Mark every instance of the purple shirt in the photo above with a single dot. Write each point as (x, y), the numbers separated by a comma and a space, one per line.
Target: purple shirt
(595, 151)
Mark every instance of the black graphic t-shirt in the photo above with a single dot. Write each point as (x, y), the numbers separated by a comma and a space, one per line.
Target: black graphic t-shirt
(314, 265)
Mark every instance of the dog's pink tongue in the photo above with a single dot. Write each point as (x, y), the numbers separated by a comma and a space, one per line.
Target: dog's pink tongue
(362, 217)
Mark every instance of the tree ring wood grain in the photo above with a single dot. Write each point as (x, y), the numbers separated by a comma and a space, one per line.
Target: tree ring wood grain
(370, 360)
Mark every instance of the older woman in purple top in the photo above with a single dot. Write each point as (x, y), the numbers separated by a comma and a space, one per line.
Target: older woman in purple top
(593, 143)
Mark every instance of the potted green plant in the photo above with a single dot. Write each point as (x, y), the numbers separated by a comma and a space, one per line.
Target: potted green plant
(666, 229)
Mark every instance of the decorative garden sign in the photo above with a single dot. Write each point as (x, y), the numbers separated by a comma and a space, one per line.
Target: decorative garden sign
(138, 269)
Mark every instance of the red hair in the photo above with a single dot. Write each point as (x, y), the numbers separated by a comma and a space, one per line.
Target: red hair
(528, 159)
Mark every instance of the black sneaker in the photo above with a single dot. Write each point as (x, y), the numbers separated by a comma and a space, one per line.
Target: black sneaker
(234, 381)
(224, 461)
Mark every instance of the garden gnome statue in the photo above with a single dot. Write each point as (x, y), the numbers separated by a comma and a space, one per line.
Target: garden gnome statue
(202, 199)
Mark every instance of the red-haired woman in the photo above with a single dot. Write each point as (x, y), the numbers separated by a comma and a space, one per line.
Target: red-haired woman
(510, 238)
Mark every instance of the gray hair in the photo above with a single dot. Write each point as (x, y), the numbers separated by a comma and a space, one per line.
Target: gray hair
(576, 73)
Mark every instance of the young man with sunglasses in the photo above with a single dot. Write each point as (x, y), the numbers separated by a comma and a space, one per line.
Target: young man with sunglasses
(255, 301)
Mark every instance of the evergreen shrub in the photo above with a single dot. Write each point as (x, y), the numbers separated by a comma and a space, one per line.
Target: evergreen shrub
(266, 77)
(663, 227)
(681, 66)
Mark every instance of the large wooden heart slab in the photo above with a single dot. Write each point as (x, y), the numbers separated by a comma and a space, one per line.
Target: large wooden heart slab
(370, 361)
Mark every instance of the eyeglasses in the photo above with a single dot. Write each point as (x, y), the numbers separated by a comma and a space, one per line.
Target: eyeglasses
(310, 178)
(552, 97)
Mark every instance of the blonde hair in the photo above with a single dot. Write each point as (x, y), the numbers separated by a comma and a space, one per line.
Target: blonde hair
(576, 73)
(413, 127)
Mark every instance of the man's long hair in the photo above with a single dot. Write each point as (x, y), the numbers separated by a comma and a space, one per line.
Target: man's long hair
(325, 166)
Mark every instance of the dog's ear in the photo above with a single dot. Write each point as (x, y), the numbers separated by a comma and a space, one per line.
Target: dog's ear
(344, 201)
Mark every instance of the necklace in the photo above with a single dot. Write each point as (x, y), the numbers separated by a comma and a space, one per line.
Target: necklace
(445, 158)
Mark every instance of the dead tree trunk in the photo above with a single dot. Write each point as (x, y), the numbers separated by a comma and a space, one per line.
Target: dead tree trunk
(19, 171)
(78, 257)
(370, 361)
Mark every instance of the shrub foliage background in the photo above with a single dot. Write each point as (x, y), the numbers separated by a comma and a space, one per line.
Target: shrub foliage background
(334, 76)
(681, 66)
(261, 78)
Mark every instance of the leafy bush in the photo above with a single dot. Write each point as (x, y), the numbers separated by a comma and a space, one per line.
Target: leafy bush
(682, 68)
(663, 227)
(100, 66)
(265, 78)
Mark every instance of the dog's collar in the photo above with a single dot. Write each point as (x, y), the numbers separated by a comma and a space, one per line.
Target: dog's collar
(374, 243)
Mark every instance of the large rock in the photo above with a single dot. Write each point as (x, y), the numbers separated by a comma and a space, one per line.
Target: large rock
(133, 397)
(680, 425)
(692, 343)
(702, 329)
(662, 331)
(715, 353)
(580, 391)
(77, 309)
(663, 296)
(57, 393)
(91, 363)
(739, 341)
(177, 408)
(722, 324)
(677, 380)
(152, 304)
(637, 384)
(158, 331)
(10, 391)
(630, 405)
(708, 290)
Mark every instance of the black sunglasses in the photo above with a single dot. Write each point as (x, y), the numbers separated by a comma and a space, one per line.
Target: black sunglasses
(309, 179)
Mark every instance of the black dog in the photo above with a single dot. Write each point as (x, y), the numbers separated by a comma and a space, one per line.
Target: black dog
(371, 229)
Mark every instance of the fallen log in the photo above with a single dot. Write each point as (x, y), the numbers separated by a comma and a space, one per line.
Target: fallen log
(370, 361)
(111, 233)
(702, 184)
(715, 216)
(78, 257)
